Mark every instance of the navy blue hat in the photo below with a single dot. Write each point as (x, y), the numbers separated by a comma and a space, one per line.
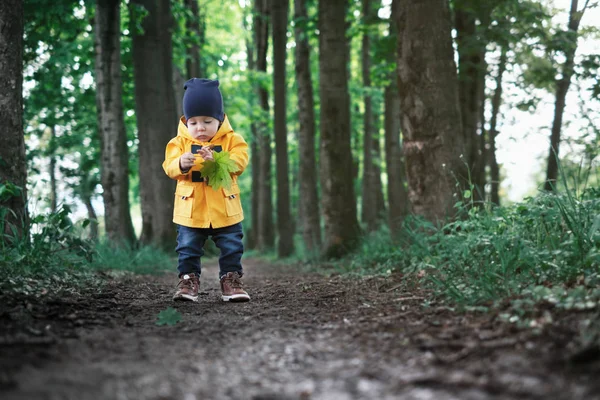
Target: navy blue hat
(202, 97)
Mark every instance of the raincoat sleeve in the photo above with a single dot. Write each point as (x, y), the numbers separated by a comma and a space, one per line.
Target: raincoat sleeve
(239, 153)
(173, 151)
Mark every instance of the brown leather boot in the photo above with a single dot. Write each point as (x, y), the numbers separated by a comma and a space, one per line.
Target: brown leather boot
(187, 288)
(232, 288)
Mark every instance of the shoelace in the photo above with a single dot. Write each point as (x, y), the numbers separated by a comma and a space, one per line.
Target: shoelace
(186, 283)
(236, 282)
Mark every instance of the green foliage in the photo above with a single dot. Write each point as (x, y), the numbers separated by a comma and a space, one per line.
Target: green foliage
(547, 248)
(219, 171)
(9, 190)
(128, 258)
(50, 254)
(168, 316)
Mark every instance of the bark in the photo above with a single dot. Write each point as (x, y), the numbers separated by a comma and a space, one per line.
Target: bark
(471, 66)
(52, 170)
(113, 137)
(85, 191)
(372, 195)
(431, 121)
(339, 203)
(192, 61)
(92, 217)
(156, 118)
(265, 225)
(308, 199)
(285, 244)
(252, 231)
(178, 90)
(398, 206)
(13, 166)
(493, 133)
(562, 87)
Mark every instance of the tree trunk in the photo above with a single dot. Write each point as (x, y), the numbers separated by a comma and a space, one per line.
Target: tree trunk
(398, 206)
(431, 121)
(471, 66)
(266, 232)
(178, 90)
(192, 61)
(479, 167)
(113, 137)
(372, 196)
(309, 198)
(339, 203)
(52, 169)
(13, 166)
(562, 87)
(87, 200)
(156, 118)
(493, 133)
(252, 230)
(285, 244)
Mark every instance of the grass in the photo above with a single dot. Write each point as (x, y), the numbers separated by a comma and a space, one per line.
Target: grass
(52, 257)
(142, 260)
(49, 257)
(546, 248)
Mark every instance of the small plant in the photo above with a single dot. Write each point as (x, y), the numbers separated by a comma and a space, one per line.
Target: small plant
(168, 316)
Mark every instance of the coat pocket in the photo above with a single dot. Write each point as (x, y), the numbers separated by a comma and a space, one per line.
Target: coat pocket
(184, 199)
(233, 205)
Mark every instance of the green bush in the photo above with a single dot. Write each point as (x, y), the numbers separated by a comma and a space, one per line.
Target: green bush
(47, 254)
(551, 241)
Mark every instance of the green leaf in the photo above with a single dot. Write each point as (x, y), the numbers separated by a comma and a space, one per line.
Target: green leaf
(169, 316)
(219, 171)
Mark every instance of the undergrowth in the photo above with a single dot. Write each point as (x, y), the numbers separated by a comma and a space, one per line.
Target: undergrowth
(50, 256)
(545, 249)
(47, 255)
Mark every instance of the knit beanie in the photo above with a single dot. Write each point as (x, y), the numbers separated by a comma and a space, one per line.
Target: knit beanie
(202, 98)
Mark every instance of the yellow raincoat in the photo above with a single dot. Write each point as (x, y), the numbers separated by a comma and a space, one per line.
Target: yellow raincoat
(198, 205)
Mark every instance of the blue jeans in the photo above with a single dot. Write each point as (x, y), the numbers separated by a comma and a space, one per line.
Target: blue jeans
(190, 247)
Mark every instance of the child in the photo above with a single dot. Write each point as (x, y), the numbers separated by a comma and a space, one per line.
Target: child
(200, 211)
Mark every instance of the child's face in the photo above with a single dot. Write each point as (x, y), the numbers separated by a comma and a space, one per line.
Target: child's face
(203, 128)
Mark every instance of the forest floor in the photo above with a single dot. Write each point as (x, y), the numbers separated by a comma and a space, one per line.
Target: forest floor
(303, 336)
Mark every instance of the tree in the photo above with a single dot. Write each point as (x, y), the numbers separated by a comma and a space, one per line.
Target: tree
(309, 198)
(265, 232)
(398, 206)
(113, 138)
(471, 19)
(193, 20)
(373, 207)
(562, 87)
(156, 115)
(13, 172)
(338, 200)
(280, 11)
(431, 122)
(493, 132)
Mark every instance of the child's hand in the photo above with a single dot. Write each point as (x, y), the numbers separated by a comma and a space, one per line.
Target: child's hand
(186, 161)
(206, 153)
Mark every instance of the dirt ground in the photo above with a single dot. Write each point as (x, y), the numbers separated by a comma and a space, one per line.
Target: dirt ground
(303, 336)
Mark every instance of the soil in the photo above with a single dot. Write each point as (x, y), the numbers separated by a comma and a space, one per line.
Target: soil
(302, 336)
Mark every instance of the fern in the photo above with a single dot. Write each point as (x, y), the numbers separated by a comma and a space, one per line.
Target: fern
(218, 172)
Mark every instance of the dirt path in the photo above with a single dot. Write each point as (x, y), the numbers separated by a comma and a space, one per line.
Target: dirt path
(301, 337)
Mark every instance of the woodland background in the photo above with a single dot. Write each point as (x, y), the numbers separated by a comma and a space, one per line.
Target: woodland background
(373, 129)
